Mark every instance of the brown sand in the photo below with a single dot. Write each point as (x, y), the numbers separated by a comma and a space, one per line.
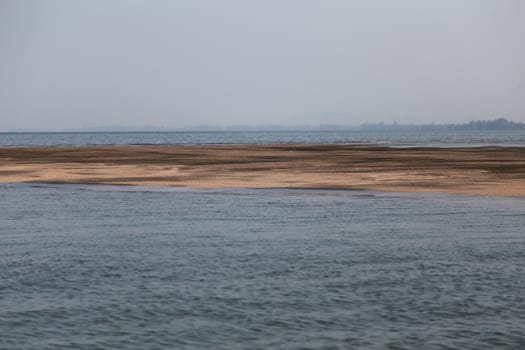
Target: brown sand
(476, 171)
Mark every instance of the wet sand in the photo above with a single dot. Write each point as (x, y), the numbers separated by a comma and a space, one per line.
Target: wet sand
(474, 171)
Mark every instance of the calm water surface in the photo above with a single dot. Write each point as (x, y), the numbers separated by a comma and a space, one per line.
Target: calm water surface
(390, 138)
(105, 267)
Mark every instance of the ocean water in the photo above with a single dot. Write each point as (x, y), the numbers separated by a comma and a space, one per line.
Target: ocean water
(121, 267)
(388, 138)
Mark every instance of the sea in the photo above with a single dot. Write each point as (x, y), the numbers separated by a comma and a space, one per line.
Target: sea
(137, 267)
(392, 138)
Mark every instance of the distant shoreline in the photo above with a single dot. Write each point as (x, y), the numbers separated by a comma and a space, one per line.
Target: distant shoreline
(500, 124)
(489, 171)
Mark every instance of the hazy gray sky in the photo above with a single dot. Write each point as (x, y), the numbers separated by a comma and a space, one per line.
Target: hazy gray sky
(72, 63)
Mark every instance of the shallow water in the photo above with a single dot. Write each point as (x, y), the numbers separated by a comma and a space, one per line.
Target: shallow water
(390, 138)
(118, 267)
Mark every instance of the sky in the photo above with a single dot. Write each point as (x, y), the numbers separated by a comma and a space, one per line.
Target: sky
(81, 64)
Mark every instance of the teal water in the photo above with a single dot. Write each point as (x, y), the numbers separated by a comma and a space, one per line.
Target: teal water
(107, 267)
(390, 138)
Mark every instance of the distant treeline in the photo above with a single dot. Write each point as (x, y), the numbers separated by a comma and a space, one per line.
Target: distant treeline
(496, 124)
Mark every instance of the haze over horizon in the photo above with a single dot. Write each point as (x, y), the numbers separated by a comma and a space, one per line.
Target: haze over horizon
(85, 64)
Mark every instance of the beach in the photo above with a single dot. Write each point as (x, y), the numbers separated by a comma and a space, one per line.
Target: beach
(486, 171)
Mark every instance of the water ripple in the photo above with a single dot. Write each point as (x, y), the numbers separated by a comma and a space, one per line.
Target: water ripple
(86, 267)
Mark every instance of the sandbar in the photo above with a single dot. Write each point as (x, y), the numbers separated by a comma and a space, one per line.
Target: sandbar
(487, 171)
